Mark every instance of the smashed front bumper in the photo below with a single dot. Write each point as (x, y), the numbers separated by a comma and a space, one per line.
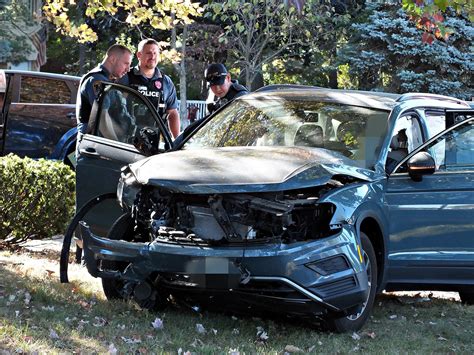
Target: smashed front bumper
(324, 275)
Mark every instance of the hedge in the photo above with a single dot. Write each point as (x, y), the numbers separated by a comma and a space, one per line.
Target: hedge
(36, 197)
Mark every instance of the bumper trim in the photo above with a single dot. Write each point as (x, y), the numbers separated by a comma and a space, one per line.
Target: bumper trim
(296, 287)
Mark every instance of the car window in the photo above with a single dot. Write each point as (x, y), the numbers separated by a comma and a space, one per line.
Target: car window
(351, 131)
(455, 150)
(406, 137)
(123, 115)
(44, 91)
(436, 122)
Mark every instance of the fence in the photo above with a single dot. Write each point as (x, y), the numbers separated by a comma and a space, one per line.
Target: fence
(196, 107)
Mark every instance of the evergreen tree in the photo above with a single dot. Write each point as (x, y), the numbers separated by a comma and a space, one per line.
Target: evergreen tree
(386, 54)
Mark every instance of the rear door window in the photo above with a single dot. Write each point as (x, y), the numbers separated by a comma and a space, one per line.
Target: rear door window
(39, 90)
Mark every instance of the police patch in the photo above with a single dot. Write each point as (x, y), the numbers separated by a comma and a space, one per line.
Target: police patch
(158, 84)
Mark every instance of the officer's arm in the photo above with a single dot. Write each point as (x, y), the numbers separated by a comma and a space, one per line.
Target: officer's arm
(173, 122)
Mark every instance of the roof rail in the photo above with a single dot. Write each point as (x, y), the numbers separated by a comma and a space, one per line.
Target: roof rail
(417, 95)
(286, 86)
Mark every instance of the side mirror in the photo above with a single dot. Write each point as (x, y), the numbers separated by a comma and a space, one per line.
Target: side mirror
(422, 163)
(146, 141)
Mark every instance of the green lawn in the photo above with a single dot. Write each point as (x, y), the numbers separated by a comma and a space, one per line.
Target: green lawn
(38, 314)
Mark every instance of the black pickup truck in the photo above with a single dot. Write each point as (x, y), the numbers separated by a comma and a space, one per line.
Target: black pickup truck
(37, 115)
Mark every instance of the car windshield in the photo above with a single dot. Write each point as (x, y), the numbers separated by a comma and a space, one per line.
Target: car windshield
(354, 131)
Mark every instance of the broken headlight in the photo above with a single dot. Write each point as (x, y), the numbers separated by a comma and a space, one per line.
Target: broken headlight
(127, 189)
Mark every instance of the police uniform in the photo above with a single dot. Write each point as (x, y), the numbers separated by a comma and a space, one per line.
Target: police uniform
(86, 95)
(159, 89)
(235, 90)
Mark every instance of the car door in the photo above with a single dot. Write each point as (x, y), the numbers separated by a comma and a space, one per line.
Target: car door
(116, 119)
(432, 221)
(40, 114)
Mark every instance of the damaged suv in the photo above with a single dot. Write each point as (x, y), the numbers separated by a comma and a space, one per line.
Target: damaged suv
(303, 201)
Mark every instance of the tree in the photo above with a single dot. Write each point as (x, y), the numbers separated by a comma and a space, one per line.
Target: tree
(162, 15)
(386, 54)
(428, 15)
(14, 42)
(252, 28)
(269, 33)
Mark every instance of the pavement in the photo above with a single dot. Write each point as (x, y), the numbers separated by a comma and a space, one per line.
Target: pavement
(54, 243)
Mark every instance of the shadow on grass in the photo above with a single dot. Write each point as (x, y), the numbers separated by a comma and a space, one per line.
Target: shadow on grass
(84, 321)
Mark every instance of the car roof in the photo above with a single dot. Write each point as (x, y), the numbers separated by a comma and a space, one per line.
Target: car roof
(42, 74)
(370, 99)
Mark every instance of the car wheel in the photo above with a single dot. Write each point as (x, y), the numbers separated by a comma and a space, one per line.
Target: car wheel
(355, 321)
(122, 229)
(467, 297)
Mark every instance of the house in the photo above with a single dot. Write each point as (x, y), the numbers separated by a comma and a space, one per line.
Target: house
(23, 35)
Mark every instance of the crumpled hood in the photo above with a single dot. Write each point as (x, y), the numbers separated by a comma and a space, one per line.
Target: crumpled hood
(245, 169)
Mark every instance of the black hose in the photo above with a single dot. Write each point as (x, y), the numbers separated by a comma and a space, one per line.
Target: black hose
(64, 260)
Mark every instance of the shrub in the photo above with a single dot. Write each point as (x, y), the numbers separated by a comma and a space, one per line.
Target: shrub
(36, 197)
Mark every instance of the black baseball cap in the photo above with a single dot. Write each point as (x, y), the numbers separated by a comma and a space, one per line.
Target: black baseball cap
(215, 74)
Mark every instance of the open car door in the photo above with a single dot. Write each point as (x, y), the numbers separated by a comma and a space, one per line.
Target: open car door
(118, 119)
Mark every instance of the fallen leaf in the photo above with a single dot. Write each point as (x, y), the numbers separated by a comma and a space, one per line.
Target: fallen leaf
(27, 298)
(293, 349)
(17, 314)
(432, 323)
(197, 343)
(200, 328)
(50, 272)
(442, 338)
(235, 331)
(131, 340)
(355, 336)
(214, 331)
(48, 308)
(99, 322)
(157, 324)
(371, 335)
(234, 352)
(261, 334)
(393, 316)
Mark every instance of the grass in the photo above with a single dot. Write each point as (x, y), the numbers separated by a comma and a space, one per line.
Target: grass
(39, 314)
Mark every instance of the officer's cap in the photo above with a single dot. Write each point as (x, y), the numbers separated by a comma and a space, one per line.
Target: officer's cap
(215, 74)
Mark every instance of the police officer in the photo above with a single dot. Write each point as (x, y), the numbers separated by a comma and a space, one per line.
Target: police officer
(147, 79)
(115, 65)
(222, 86)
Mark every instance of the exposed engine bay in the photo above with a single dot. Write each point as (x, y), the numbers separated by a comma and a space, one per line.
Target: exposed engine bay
(233, 218)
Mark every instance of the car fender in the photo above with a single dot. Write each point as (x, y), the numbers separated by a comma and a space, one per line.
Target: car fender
(356, 203)
(64, 144)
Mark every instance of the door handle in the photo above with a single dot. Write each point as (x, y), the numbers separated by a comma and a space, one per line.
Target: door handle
(91, 152)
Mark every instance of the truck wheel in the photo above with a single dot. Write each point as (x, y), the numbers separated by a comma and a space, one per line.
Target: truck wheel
(355, 321)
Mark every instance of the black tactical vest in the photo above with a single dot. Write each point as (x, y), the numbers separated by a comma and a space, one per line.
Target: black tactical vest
(151, 88)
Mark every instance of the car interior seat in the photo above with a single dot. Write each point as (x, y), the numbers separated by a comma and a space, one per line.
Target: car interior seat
(309, 135)
(399, 150)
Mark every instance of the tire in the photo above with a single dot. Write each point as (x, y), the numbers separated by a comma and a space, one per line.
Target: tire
(122, 229)
(467, 297)
(356, 320)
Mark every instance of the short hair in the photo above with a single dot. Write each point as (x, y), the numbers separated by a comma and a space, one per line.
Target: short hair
(117, 49)
(146, 41)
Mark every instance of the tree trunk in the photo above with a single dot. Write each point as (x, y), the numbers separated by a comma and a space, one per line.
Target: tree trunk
(82, 58)
(181, 69)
